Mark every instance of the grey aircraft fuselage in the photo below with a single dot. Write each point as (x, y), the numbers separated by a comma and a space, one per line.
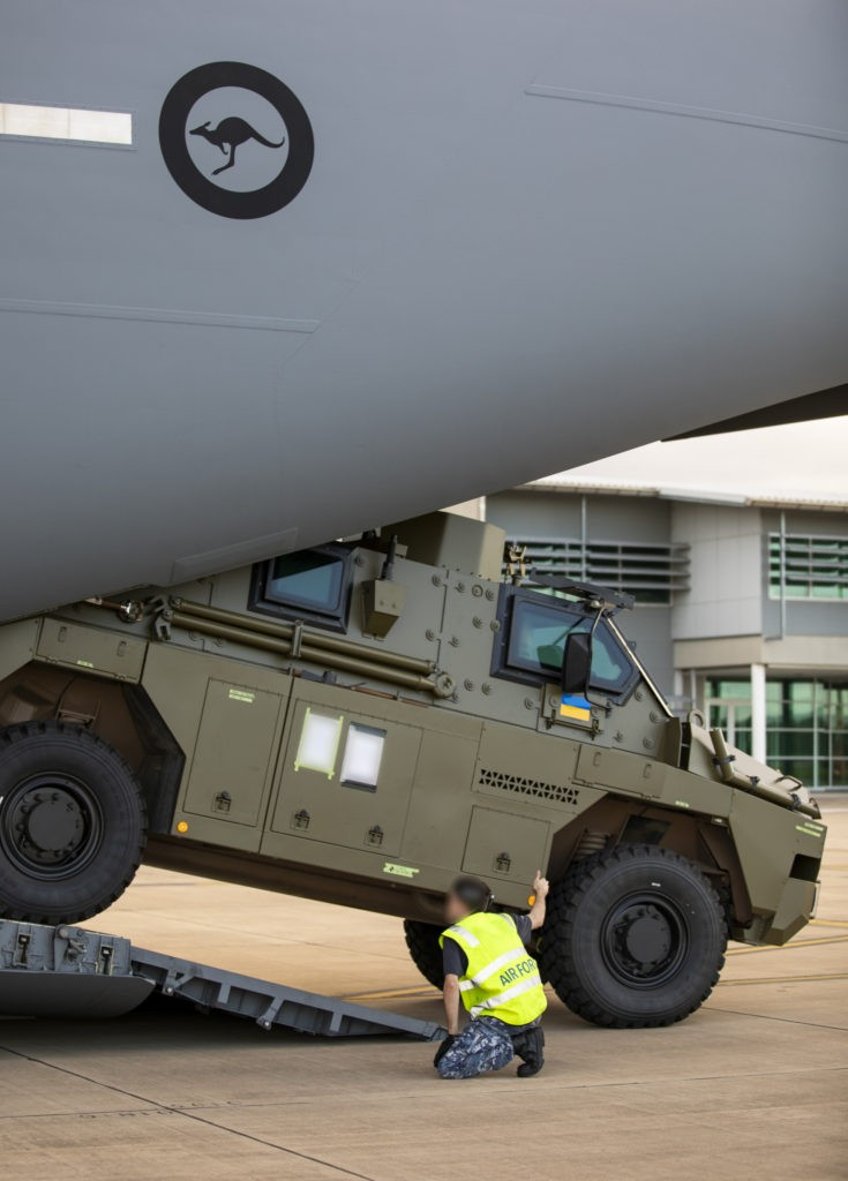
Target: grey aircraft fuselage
(463, 244)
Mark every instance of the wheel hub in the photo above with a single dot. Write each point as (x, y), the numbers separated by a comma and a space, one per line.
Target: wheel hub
(644, 940)
(647, 938)
(49, 826)
(54, 822)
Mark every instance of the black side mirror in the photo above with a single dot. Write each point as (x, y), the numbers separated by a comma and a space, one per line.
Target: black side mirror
(576, 662)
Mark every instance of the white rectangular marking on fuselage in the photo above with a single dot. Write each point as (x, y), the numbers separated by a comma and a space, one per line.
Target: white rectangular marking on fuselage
(73, 124)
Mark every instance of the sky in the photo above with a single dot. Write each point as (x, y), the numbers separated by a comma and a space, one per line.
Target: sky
(808, 460)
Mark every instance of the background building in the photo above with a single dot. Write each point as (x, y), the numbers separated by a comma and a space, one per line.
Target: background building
(741, 584)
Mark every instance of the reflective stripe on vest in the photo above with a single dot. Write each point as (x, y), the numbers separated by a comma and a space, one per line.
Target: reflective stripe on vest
(461, 932)
(483, 974)
(501, 979)
(500, 999)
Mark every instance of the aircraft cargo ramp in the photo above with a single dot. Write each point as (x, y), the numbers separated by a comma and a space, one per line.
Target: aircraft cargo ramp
(68, 971)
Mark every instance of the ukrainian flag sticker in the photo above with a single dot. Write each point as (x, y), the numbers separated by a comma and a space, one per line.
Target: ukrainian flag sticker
(575, 706)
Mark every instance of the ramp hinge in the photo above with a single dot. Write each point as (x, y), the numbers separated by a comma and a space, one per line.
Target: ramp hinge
(267, 1019)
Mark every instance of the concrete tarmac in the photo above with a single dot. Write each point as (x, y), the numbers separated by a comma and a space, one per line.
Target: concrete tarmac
(755, 1084)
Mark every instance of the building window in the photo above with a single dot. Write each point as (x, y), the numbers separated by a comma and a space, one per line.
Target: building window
(806, 726)
(808, 567)
(649, 572)
(534, 630)
(313, 585)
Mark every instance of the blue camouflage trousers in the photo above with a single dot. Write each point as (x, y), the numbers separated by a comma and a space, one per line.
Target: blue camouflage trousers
(485, 1044)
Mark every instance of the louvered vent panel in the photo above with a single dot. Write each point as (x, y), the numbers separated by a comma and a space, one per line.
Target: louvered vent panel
(518, 785)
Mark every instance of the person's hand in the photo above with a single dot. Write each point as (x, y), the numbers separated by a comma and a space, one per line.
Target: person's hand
(540, 885)
(444, 1046)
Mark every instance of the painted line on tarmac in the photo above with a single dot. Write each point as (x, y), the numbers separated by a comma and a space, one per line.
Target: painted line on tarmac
(392, 994)
(786, 979)
(828, 923)
(784, 1021)
(790, 946)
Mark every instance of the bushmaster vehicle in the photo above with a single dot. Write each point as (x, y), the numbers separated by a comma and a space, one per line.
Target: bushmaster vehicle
(359, 722)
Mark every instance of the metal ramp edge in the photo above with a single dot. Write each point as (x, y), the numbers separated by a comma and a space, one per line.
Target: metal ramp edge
(67, 971)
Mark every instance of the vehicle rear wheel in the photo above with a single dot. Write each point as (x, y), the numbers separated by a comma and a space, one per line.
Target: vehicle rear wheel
(635, 936)
(422, 939)
(72, 823)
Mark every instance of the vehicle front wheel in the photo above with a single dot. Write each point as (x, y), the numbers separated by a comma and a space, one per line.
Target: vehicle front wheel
(72, 823)
(635, 936)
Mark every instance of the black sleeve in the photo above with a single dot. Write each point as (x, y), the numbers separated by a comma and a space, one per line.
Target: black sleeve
(454, 959)
(524, 927)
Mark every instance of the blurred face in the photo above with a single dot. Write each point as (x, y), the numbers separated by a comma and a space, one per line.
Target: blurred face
(455, 909)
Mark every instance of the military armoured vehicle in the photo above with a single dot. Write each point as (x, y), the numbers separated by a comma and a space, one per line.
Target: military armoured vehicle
(361, 721)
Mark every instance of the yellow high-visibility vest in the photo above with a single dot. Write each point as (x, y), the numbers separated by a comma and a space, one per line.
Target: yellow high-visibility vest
(502, 979)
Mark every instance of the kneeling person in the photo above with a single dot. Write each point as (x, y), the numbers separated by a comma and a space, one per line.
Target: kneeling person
(487, 964)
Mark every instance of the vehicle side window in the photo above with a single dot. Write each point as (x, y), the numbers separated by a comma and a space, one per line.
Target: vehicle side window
(313, 585)
(537, 636)
(536, 632)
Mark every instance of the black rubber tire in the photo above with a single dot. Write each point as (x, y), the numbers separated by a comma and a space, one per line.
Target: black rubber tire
(107, 804)
(583, 952)
(422, 939)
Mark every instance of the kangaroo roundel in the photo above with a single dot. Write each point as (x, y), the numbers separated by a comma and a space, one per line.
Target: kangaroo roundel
(236, 140)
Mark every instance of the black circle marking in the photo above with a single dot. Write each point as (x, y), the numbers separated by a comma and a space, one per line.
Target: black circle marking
(227, 202)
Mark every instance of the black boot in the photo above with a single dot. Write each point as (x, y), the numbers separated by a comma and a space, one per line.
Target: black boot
(529, 1045)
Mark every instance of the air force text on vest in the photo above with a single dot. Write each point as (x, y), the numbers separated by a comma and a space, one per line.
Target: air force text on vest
(525, 968)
